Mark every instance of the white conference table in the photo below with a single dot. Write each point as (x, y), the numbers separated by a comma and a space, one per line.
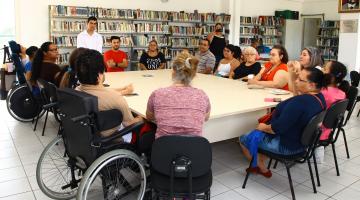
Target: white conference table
(234, 108)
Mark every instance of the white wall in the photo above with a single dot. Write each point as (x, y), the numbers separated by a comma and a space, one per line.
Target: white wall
(328, 7)
(32, 22)
(349, 44)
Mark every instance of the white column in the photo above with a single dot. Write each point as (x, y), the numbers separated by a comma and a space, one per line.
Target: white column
(234, 11)
(349, 44)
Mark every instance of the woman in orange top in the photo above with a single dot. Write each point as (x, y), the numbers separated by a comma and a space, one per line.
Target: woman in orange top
(275, 73)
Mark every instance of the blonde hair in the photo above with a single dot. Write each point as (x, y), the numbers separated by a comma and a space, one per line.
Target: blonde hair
(184, 66)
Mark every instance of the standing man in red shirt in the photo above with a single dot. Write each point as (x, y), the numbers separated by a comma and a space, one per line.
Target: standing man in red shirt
(115, 59)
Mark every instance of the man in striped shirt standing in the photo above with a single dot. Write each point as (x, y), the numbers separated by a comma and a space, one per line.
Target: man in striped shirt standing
(206, 58)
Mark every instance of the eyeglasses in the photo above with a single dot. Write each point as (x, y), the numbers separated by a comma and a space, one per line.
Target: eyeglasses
(249, 54)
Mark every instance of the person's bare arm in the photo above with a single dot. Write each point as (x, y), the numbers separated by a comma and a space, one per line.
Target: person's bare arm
(265, 128)
(162, 66)
(279, 81)
(150, 116)
(123, 64)
(141, 66)
(293, 69)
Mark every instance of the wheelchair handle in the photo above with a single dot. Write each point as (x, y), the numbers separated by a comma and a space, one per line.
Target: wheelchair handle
(50, 105)
(79, 118)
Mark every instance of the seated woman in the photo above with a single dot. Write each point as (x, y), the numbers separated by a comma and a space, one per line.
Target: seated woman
(153, 58)
(250, 66)
(274, 74)
(44, 66)
(309, 57)
(30, 52)
(90, 69)
(180, 108)
(336, 87)
(283, 133)
(228, 63)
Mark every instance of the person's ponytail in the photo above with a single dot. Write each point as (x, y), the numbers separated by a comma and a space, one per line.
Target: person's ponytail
(38, 60)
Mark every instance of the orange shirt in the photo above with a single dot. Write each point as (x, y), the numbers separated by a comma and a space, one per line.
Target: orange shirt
(117, 56)
(269, 75)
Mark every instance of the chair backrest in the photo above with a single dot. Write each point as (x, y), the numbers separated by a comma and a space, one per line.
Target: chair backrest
(355, 78)
(15, 57)
(168, 148)
(312, 130)
(335, 114)
(351, 95)
(78, 136)
(48, 91)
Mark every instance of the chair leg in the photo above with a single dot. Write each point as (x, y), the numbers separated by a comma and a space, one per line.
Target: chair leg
(316, 171)
(312, 176)
(36, 121)
(275, 164)
(335, 159)
(269, 165)
(290, 181)
(345, 142)
(247, 174)
(46, 116)
(358, 113)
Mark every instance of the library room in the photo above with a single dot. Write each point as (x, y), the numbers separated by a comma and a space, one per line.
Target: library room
(180, 100)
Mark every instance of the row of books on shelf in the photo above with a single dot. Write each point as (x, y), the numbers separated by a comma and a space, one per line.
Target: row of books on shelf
(136, 41)
(261, 21)
(71, 41)
(259, 31)
(184, 42)
(123, 27)
(186, 30)
(73, 11)
(266, 41)
(143, 41)
(323, 42)
(330, 24)
(329, 53)
(329, 32)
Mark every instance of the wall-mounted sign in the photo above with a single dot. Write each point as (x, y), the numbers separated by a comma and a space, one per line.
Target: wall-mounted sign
(348, 26)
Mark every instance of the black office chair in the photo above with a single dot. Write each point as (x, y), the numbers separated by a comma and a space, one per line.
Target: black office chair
(49, 101)
(351, 95)
(181, 167)
(309, 138)
(80, 153)
(334, 120)
(355, 79)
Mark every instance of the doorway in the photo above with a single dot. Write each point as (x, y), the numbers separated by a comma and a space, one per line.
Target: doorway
(310, 31)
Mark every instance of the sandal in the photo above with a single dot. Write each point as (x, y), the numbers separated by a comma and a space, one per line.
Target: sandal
(267, 174)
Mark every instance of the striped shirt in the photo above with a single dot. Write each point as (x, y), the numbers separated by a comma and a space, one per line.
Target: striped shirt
(206, 59)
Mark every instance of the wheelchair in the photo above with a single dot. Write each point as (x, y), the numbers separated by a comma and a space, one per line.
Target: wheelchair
(105, 167)
(21, 104)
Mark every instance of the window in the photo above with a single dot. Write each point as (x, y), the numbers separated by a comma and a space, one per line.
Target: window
(7, 28)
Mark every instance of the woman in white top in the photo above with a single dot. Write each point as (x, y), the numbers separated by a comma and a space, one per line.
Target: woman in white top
(228, 63)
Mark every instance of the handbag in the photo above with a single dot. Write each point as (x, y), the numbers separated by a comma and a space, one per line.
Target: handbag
(266, 118)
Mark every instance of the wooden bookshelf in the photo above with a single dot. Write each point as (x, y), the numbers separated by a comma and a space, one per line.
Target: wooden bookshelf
(266, 28)
(328, 39)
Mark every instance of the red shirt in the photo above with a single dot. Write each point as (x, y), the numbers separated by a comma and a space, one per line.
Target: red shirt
(269, 75)
(117, 56)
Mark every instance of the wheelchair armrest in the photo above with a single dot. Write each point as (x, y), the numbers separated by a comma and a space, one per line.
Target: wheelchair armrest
(50, 105)
(122, 132)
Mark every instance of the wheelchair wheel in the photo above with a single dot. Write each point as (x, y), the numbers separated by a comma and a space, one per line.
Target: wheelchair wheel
(118, 174)
(56, 175)
(21, 104)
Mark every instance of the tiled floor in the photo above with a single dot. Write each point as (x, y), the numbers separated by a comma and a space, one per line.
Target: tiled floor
(20, 149)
